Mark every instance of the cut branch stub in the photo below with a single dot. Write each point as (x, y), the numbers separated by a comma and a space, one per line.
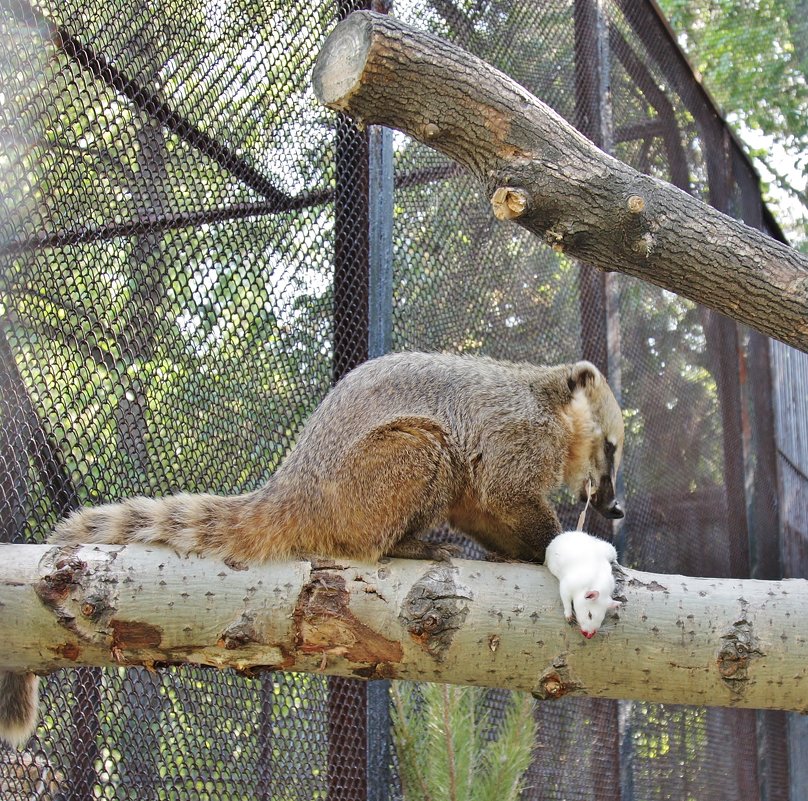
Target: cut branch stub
(509, 203)
(636, 204)
(581, 200)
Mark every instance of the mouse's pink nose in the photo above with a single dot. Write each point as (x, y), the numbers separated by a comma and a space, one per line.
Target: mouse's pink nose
(588, 634)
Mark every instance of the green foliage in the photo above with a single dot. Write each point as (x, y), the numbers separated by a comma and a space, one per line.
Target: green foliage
(753, 55)
(450, 747)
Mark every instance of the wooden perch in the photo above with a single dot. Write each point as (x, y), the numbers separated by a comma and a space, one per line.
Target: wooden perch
(539, 171)
(680, 640)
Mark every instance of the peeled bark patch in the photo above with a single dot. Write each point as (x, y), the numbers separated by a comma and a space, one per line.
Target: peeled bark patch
(325, 624)
(134, 635)
(63, 576)
(738, 649)
(240, 633)
(66, 571)
(556, 681)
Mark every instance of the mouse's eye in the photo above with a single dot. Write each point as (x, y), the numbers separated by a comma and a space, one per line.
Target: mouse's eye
(590, 616)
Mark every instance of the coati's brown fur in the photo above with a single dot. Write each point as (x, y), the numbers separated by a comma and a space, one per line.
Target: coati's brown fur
(399, 445)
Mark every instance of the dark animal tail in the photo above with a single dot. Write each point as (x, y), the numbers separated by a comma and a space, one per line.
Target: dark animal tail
(19, 699)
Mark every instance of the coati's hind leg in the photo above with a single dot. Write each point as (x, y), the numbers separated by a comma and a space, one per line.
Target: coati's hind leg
(411, 546)
(398, 481)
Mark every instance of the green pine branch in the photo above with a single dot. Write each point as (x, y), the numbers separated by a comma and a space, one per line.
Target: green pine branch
(450, 744)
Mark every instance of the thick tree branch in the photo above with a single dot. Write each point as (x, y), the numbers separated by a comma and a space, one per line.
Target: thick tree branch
(579, 199)
(681, 640)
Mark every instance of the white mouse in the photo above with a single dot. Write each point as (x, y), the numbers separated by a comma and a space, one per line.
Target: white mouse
(583, 566)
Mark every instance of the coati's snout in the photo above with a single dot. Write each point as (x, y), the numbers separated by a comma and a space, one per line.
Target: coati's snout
(604, 501)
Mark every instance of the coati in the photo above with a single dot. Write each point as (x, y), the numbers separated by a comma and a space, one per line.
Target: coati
(583, 566)
(400, 444)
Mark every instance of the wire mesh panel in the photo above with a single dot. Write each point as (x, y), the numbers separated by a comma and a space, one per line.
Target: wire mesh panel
(167, 244)
(183, 249)
(487, 288)
(790, 373)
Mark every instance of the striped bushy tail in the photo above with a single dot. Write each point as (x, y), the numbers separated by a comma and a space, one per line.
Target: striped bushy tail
(245, 528)
(19, 699)
(240, 528)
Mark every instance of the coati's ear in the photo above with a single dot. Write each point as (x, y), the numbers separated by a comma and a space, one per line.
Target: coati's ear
(592, 595)
(582, 374)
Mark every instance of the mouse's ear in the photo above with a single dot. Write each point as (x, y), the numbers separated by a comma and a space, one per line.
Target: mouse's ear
(592, 595)
(615, 604)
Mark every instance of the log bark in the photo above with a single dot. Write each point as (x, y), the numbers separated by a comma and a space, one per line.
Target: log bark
(681, 640)
(542, 173)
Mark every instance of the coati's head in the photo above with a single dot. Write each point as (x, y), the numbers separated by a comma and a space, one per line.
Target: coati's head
(596, 447)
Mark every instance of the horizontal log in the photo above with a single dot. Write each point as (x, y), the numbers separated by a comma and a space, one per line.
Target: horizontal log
(542, 173)
(700, 641)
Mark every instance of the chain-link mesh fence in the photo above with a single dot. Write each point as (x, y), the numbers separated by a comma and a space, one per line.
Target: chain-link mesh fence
(185, 242)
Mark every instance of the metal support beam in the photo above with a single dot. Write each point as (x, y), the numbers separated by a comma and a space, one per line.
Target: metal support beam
(358, 712)
(380, 288)
(380, 316)
(599, 322)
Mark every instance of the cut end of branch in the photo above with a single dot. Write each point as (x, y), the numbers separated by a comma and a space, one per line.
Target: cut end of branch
(636, 204)
(509, 202)
(339, 67)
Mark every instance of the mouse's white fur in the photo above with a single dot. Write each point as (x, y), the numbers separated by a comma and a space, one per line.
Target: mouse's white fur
(583, 566)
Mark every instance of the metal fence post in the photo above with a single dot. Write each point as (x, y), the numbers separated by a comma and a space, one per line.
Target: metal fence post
(763, 514)
(380, 312)
(599, 323)
(347, 698)
(380, 289)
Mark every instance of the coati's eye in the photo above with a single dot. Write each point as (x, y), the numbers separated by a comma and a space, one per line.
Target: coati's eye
(609, 448)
